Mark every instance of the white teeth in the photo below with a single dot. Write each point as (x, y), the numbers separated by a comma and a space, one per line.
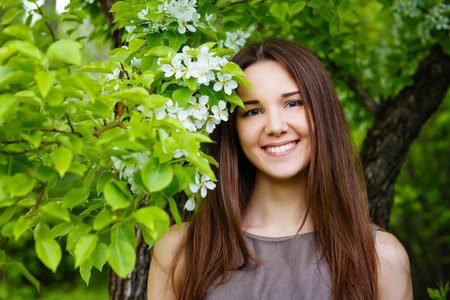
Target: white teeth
(281, 149)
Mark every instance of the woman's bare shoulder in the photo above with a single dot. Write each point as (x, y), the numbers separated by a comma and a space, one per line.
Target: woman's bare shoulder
(164, 252)
(169, 243)
(394, 276)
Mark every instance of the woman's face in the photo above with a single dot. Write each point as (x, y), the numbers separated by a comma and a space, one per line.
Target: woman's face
(273, 130)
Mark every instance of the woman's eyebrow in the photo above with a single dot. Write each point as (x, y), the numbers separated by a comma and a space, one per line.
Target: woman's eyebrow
(249, 102)
(290, 94)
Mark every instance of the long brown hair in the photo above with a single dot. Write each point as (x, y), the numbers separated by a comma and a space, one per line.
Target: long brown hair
(336, 199)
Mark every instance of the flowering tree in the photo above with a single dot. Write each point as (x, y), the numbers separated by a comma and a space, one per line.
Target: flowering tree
(91, 154)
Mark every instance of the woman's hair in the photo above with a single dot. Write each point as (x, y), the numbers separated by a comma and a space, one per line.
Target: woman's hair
(336, 199)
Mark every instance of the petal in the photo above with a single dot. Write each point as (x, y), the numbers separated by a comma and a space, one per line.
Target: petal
(194, 187)
(218, 86)
(203, 191)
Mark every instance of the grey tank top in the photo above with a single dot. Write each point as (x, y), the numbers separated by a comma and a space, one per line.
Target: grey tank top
(289, 269)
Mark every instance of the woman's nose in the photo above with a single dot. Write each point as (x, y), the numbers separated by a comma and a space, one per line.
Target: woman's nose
(275, 123)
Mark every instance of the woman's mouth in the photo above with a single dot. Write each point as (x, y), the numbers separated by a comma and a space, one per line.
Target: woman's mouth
(282, 148)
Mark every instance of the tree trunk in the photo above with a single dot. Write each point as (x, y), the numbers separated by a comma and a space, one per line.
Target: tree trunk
(397, 123)
(134, 287)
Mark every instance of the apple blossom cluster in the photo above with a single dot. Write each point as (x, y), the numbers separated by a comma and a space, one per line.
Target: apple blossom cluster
(128, 165)
(202, 183)
(235, 40)
(439, 16)
(181, 12)
(205, 67)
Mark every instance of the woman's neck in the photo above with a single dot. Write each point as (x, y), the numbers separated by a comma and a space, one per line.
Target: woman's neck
(276, 208)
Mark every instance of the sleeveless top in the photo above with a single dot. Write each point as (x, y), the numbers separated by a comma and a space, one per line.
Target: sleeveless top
(289, 269)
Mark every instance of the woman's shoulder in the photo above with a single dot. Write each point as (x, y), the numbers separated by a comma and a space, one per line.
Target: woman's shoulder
(394, 276)
(165, 250)
(160, 285)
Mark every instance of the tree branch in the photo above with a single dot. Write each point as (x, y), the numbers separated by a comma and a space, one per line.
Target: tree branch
(232, 3)
(362, 95)
(38, 201)
(396, 125)
(46, 23)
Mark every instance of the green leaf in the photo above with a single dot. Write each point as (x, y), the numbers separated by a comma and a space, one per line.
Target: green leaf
(160, 51)
(297, 7)
(121, 257)
(147, 78)
(117, 195)
(175, 39)
(155, 219)
(49, 252)
(334, 25)
(156, 176)
(386, 3)
(124, 231)
(279, 10)
(8, 101)
(135, 44)
(155, 100)
(89, 178)
(65, 50)
(62, 158)
(77, 232)
(232, 68)
(19, 31)
(85, 272)
(45, 174)
(102, 181)
(27, 275)
(10, 15)
(20, 185)
(20, 227)
(44, 82)
(55, 210)
(7, 214)
(75, 197)
(316, 3)
(96, 67)
(175, 212)
(444, 40)
(137, 95)
(84, 248)
(41, 231)
(181, 96)
(103, 219)
(61, 230)
(98, 257)
(5, 74)
(344, 8)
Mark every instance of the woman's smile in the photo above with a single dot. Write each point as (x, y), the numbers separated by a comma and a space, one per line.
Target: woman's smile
(281, 149)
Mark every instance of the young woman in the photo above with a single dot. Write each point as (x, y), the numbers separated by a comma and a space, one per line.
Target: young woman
(289, 217)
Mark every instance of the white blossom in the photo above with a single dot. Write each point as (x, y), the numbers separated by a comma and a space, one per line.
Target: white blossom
(202, 184)
(190, 203)
(226, 83)
(220, 111)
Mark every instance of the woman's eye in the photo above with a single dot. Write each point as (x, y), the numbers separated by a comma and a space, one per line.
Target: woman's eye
(294, 103)
(252, 112)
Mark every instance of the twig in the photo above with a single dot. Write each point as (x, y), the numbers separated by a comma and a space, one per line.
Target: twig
(59, 131)
(109, 126)
(38, 201)
(27, 151)
(232, 3)
(13, 142)
(70, 124)
(124, 71)
(4, 242)
(46, 23)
